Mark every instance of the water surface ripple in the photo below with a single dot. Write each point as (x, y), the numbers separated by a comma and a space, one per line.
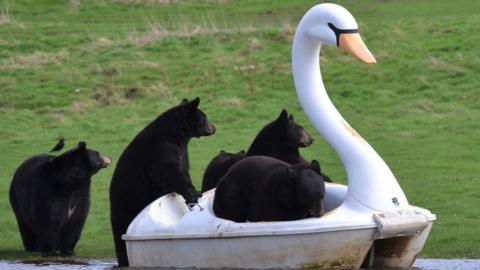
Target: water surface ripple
(420, 264)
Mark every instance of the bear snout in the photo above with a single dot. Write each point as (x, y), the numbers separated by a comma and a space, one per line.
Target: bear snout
(210, 128)
(106, 160)
(306, 139)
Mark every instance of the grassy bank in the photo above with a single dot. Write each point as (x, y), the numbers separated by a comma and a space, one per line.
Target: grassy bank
(99, 71)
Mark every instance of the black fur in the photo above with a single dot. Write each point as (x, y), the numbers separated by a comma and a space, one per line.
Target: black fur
(315, 166)
(280, 139)
(155, 163)
(261, 188)
(50, 197)
(218, 167)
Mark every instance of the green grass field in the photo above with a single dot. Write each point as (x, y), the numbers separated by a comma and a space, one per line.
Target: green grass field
(99, 71)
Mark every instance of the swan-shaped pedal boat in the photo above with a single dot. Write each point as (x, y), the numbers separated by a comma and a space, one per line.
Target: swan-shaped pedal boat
(368, 223)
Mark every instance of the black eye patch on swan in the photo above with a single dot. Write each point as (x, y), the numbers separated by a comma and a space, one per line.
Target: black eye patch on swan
(340, 31)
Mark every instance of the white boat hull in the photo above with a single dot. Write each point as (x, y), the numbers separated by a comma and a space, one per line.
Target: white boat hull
(168, 234)
(345, 249)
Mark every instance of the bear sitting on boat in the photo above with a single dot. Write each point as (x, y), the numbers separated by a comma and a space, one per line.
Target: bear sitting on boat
(261, 188)
(218, 167)
(280, 139)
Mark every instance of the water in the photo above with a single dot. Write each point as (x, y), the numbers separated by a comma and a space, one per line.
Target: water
(63, 265)
(420, 264)
(444, 264)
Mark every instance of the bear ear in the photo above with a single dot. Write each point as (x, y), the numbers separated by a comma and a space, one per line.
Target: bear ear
(283, 115)
(82, 145)
(184, 101)
(315, 166)
(291, 117)
(194, 103)
(190, 106)
(292, 174)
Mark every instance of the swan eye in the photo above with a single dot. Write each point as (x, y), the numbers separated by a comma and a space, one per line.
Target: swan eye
(340, 31)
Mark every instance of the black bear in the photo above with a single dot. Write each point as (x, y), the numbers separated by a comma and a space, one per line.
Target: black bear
(280, 139)
(261, 188)
(315, 166)
(50, 196)
(218, 167)
(155, 163)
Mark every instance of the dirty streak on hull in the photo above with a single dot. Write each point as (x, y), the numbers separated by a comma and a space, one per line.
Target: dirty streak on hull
(340, 249)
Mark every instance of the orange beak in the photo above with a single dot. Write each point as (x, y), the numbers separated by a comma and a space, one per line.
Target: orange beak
(353, 43)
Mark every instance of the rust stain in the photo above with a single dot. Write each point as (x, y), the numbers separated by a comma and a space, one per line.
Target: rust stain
(329, 212)
(347, 254)
(346, 257)
(353, 132)
(338, 263)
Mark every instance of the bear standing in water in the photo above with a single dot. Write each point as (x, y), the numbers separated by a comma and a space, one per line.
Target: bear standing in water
(261, 188)
(50, 196)
(155, 163)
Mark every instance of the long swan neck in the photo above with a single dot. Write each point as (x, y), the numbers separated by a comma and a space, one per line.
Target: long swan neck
(316, 102)
(367, 172)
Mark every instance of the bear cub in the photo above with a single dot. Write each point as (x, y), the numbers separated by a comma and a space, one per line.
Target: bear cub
(155, 163)
(261, 188)
(50, 196)
(218, 167)
(280, 139)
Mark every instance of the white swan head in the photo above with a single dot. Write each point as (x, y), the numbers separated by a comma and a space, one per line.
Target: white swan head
(334, 25)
